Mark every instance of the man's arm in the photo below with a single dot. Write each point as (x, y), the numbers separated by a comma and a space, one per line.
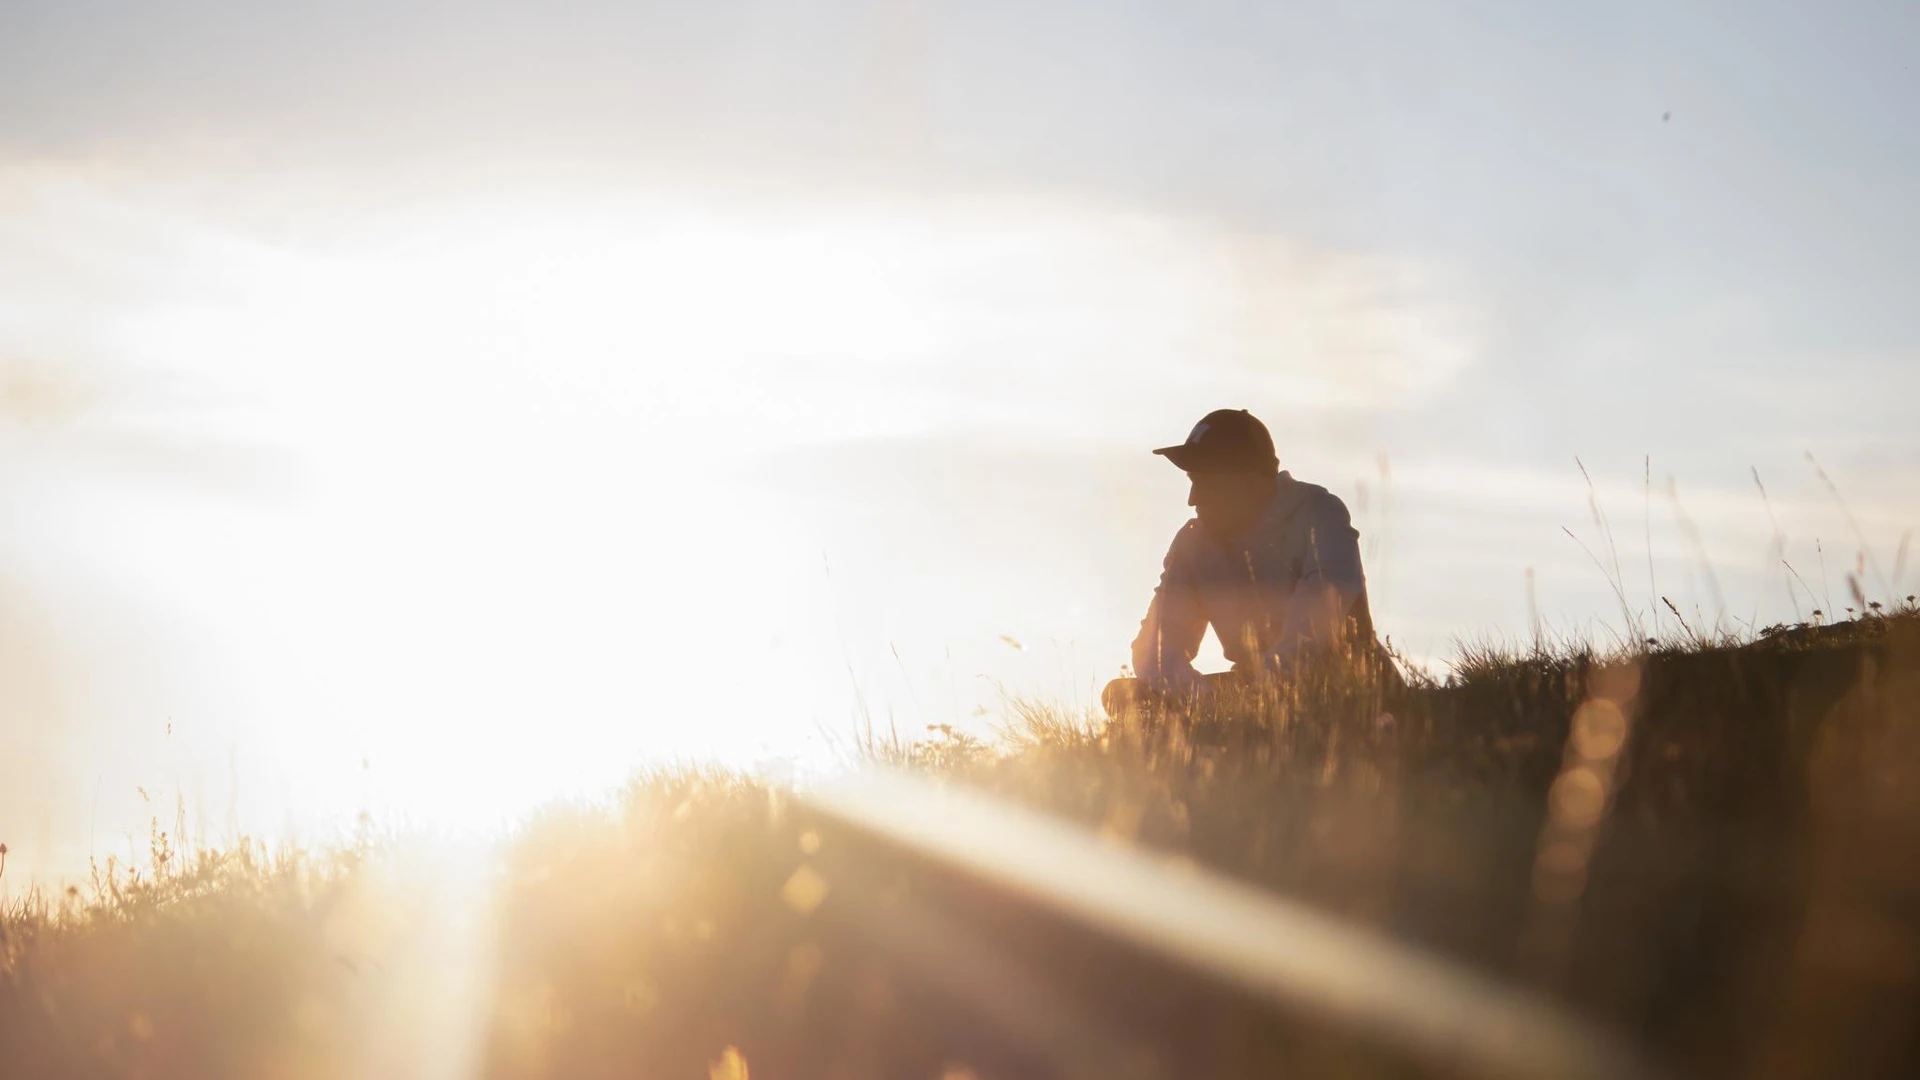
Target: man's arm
(1170, 634)
(1331, 581)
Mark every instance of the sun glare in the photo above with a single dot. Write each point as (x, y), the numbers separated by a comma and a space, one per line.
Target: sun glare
(525, 428)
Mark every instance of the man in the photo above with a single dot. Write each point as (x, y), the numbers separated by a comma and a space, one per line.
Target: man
(1271, 563)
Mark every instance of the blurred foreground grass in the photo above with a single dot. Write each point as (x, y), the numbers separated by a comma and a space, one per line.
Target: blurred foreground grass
(1713, 848)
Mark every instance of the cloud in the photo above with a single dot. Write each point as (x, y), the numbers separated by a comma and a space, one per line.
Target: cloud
(1098, 319)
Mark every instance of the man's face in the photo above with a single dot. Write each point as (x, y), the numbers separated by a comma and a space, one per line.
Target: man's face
(1229, 503)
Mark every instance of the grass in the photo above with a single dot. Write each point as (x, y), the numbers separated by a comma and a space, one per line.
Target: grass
(1712, 845)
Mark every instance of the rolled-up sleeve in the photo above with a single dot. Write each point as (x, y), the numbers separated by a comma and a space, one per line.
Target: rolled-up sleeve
(1170, 635)
(1330, 583)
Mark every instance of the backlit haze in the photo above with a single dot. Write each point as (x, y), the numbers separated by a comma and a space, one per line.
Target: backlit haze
(436, 409)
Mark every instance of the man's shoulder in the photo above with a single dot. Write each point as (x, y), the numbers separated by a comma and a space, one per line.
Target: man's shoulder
(1330, 506)
(1187, 541)
(1314, 497)
(1313, 507)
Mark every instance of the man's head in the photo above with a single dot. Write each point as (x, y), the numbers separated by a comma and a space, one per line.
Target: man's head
(1229, 457)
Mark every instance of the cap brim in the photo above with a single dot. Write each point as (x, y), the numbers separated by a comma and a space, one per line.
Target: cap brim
(1182, 455)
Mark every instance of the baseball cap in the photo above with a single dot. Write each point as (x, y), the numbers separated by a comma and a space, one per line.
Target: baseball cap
(1225, 440)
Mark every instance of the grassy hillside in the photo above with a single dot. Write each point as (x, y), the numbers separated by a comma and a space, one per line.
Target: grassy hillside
(1713, 847)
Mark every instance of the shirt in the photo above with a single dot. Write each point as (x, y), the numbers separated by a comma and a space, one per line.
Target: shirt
(1291, 584)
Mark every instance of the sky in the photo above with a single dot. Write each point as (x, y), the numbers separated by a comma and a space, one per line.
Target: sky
(432, 409)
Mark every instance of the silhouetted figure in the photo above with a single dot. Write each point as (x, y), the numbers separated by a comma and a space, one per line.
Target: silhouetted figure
(1273, 564)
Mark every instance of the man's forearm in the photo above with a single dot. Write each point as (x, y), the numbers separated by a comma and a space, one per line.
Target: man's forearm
(1167, 671)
